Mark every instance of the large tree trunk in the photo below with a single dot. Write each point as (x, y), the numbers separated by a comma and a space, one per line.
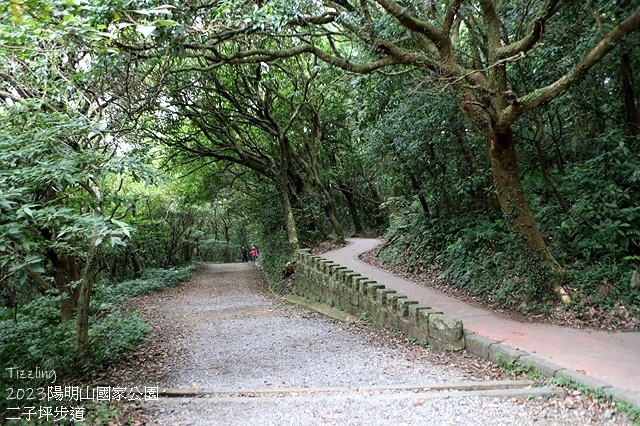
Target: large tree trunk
(379, 219)
(86, 285)
(332, 214)
(134, 261)
(187, 252)
(292, 231)
(67, 301)
(416, 187)
(64, 272)
(314, 181)
(228, 257)
(84, 299)
(519, 216)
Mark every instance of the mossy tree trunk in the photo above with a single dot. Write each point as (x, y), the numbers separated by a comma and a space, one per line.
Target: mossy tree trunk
(517, 212)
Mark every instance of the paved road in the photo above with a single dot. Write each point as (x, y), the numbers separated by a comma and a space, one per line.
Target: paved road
(611, 357)
(255, 360)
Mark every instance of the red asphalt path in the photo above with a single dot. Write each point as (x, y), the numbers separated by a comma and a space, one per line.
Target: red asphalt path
(611, 357)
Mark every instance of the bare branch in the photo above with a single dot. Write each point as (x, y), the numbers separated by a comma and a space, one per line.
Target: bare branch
(40, 282)
(412, 23)
(534, 30)
(395, 56)
(514, 58)
(492, 20)
(450, 14)
(322, 19)
(8, 95)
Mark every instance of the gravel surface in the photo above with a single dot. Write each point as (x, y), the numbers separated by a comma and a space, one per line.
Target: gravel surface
(222, 331)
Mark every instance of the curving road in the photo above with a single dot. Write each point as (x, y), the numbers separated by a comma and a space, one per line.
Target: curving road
(611, 357)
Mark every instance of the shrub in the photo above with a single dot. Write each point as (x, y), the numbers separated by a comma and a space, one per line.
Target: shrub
(38, 337)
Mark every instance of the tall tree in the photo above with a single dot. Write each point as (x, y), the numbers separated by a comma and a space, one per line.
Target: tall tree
(265, 118)
(467, 46)
(56, 153)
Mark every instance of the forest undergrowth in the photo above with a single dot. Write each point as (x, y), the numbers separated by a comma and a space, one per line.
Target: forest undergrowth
(480, 264)
(36, 338)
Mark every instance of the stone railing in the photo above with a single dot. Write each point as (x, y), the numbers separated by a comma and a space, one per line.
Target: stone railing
(325, 281)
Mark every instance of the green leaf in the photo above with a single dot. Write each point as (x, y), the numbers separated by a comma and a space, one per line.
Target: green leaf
(37, 268)
(117, 241)
(145, 30)
(106, 35)
(119, 223)
(164, 23)
(32, 259)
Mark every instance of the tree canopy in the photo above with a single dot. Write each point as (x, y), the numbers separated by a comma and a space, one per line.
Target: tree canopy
(489, 138)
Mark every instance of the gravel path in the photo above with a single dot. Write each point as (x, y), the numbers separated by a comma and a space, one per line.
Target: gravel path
(223, 332)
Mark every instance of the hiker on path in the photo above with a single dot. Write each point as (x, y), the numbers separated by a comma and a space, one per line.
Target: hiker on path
(245, 254)
(254, 253)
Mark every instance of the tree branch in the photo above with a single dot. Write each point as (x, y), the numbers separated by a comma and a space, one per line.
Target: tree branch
(8, 95)
(450, 14)
(607, 44)
(412, 23)
(40, 282)
(534, 30)
(263, 55)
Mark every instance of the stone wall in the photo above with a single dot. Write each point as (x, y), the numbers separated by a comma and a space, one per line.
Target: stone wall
(325, 281)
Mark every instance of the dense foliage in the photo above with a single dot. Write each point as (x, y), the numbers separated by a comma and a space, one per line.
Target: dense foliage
(582, 184)
(35, 336)
(497, 141)
(583, 187)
